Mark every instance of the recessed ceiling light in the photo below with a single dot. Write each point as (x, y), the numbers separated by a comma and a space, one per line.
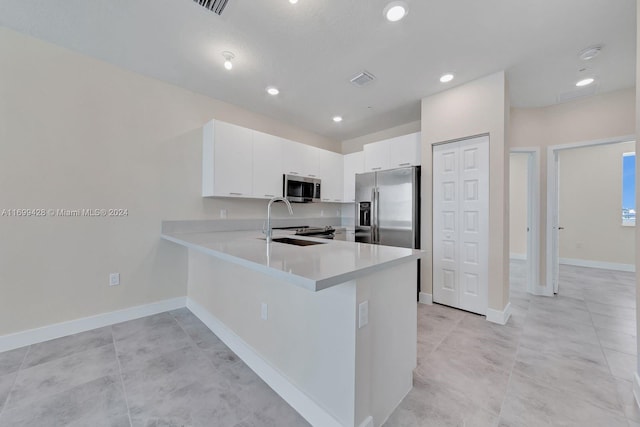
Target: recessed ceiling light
(396, 10)
(585, 82)
(446, 78)
(337, 119)
(590, 53)
(293, 1)
(228, 56)
(271, 90)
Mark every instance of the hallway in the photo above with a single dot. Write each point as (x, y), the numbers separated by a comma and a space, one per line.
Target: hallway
(567, 360)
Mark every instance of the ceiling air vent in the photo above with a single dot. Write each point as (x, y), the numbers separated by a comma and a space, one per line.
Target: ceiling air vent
(216, 6)
(362, 79)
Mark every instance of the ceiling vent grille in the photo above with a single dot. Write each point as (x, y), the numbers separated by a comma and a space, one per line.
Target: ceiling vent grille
(362, 79)
(216, 6)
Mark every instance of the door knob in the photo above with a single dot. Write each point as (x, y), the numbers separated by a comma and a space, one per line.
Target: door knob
(560, 228)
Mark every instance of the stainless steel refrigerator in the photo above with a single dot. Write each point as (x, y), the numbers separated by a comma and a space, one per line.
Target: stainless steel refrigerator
(388, 207)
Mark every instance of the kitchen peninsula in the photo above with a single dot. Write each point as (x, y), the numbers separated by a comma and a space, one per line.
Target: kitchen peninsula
(330, 326)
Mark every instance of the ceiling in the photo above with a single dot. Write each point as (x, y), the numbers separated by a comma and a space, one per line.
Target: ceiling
(310, 50)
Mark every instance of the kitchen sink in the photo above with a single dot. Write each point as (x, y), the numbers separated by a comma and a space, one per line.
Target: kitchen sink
(297, 242)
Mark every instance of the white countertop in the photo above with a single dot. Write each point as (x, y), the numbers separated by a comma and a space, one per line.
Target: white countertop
(313, 267)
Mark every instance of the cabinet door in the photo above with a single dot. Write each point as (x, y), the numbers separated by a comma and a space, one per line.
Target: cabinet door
(227, 160)
(405, 151)
(267, 165)
(312, 159)
(293, 158)
(331, 173)
(353, 164)
(376, 156)
(300, 159)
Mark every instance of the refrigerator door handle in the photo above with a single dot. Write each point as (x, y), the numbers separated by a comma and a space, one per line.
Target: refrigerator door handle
(373, 215)
(376, 210)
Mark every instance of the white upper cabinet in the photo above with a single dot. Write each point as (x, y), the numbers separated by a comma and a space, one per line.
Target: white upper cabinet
(267, 165)
(353, 164)
(331, 174)
(405, 151)
(300, 159)
(393, 153)
(376, 156)
(227, 160)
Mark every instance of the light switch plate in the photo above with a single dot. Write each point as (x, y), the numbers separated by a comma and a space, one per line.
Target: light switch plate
(264, 311)
(363, 314)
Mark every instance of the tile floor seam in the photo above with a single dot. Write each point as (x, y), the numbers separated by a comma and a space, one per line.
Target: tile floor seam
(124, 389)
(602, 347)
(513, 365)
(194, 344)
(15, 380)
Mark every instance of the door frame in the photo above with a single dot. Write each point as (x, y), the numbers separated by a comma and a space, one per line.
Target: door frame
(533, 218)
(552, 247)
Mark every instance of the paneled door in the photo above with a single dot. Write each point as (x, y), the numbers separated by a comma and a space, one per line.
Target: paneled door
(461, 224)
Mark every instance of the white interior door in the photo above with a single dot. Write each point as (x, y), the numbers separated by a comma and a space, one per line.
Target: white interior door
(461, 224)
(445, 224)
(553, 253)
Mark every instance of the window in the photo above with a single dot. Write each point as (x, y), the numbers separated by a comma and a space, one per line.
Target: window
(629, 189)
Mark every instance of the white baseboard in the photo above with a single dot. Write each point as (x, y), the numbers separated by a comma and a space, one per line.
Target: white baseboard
(302, 403)
(598, 264)
(636, 388)
(57, 330)
(499, 316)
(425, 298)
(519, 257)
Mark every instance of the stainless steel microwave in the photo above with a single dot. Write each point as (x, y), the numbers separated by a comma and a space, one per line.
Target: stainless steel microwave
(301, 189)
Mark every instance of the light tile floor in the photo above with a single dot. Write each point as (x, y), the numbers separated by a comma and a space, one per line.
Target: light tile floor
(564, 361)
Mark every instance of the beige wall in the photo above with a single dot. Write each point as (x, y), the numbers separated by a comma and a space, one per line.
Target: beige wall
(78, 133)
(590, 205)
(518, 192)
(595, 118)
(475, 108)
(356, 144)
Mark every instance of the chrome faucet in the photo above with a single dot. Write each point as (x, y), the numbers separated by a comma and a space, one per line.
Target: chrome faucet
(268, 230)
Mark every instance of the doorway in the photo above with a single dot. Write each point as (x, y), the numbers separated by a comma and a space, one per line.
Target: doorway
(524, 202)
(589, 228)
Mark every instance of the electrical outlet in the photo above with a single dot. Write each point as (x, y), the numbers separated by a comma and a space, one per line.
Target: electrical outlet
(223, 213)
(114, 279)
(321, 212)
(363, 314)
(264, 311)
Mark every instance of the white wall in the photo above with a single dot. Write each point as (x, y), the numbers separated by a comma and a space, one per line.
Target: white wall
(595, 118)
(590, 205)
(518, 193)
(478, 107)
(78, 133)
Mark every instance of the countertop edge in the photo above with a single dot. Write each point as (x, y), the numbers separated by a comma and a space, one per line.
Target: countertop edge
(304, 282)
(298, 280)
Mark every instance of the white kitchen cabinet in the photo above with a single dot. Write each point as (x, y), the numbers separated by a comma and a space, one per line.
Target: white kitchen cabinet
(405, 151)
(393, 153)
(353, 164)
(376, 156)
(300, 159)
(267, 165)
(331, 174)
(227, 160)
